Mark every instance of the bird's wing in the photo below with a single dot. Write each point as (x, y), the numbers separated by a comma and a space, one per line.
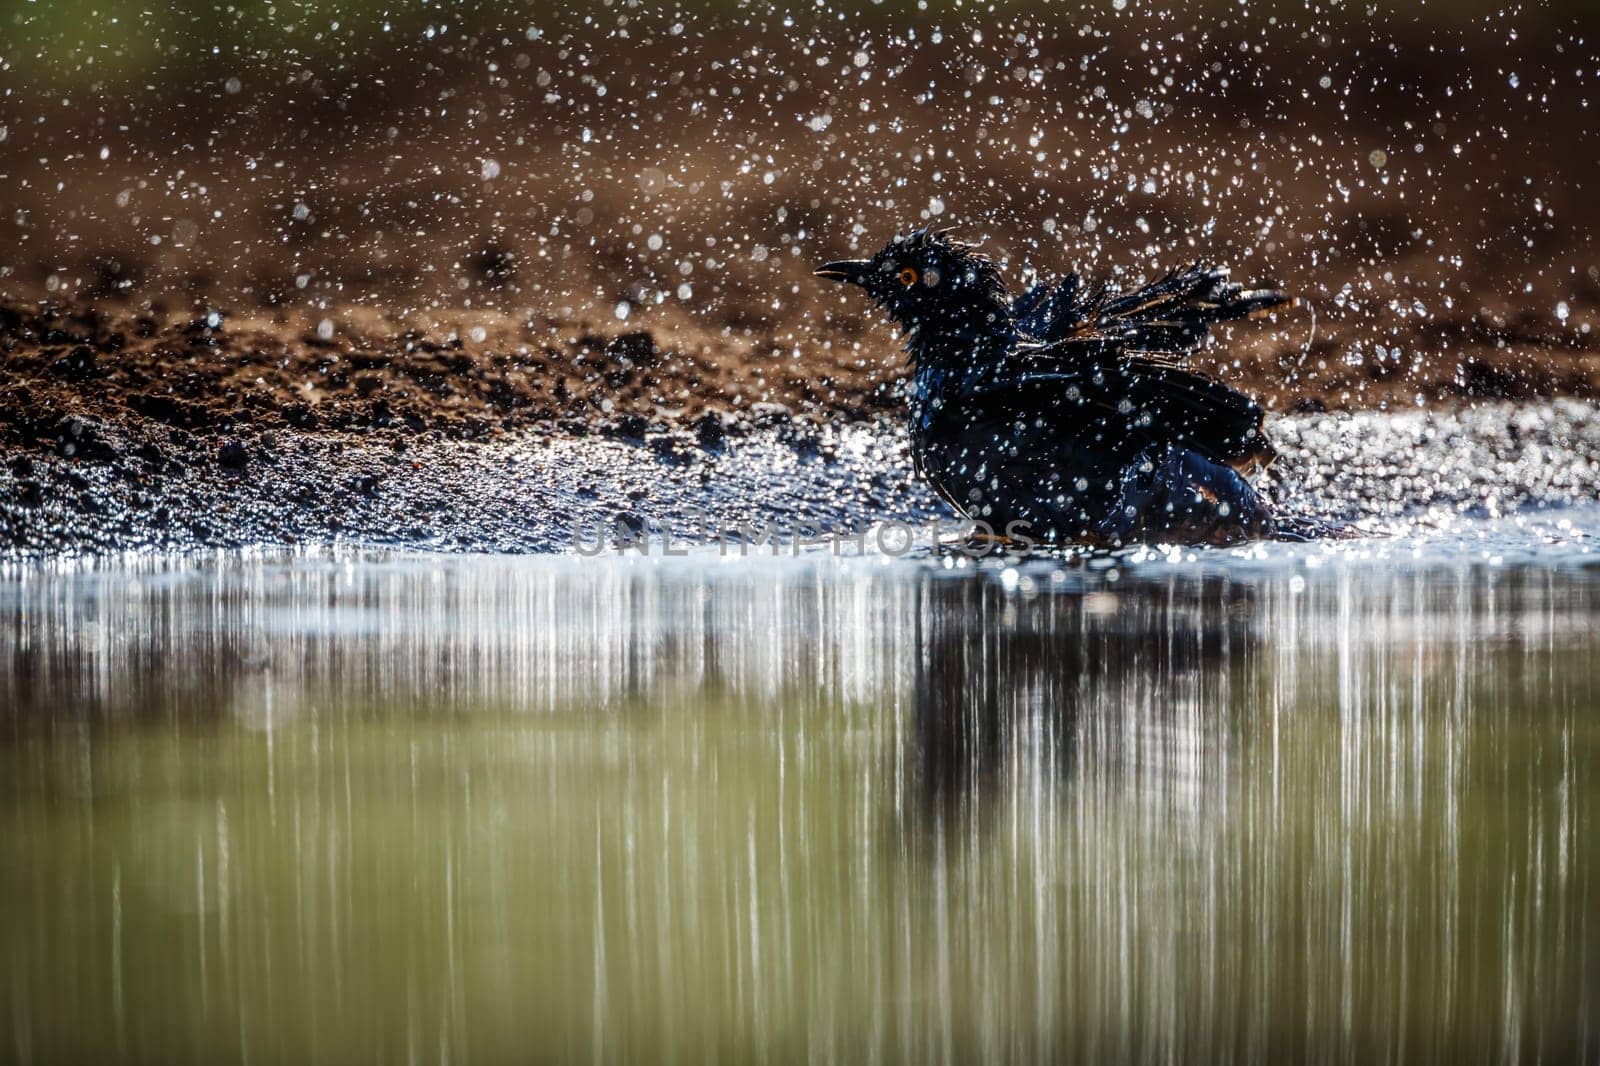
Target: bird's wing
(1173, 314)
(1087, 385)
(1050, 310)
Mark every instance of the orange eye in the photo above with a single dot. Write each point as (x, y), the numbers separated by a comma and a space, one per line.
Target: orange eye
(908, 276)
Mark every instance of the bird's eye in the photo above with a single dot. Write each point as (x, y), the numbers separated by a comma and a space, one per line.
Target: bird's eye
(908, 276)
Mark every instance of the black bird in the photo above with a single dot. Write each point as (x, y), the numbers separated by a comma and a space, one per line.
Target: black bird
(1067, 414)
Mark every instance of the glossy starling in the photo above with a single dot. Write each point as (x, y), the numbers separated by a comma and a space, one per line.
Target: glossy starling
(1067, 414)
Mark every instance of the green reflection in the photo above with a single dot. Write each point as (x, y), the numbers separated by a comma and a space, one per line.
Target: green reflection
(815, 812)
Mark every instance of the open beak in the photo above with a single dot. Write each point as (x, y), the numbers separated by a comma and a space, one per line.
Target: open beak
(851, 271)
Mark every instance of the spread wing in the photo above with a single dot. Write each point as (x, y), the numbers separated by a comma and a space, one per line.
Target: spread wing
(1128, 399)
(1173, 314)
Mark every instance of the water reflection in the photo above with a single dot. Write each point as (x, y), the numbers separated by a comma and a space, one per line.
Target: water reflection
(1004, 681)
(377, 807)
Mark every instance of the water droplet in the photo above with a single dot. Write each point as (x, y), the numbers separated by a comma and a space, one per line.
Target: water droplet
(652, 180)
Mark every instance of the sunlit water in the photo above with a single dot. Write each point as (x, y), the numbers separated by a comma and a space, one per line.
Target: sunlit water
(1337, 803)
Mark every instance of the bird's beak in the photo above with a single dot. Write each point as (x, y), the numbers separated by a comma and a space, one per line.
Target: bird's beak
(850, 271)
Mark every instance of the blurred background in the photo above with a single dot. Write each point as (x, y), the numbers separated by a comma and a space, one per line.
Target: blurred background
(1420, 172)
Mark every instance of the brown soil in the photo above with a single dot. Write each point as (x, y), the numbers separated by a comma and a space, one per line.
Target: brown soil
(201, 381)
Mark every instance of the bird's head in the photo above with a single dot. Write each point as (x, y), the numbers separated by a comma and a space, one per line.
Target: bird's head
(931, 285)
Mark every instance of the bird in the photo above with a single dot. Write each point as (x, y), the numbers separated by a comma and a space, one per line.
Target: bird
(1068, 414)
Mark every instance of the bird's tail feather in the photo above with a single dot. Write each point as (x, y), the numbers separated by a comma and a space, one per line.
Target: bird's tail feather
(1173, 314)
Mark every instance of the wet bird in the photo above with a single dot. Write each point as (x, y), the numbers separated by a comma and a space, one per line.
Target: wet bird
(1067, 414)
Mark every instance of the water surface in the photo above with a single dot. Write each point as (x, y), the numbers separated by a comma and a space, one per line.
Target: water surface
(352, 806)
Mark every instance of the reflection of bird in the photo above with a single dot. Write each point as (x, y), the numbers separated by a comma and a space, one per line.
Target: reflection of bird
(1081, 685)
(1070, 409)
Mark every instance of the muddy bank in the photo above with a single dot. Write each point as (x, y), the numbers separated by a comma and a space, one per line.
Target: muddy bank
(526, 491)
(139, 431)
(134, 431)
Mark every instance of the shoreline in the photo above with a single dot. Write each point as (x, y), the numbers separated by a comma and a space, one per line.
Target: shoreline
(121, 434)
